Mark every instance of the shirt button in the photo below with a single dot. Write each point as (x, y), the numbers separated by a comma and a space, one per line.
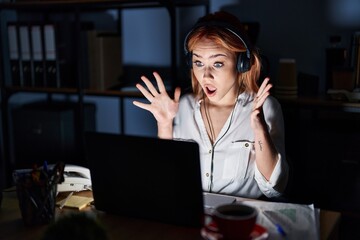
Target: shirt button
(246, 144)
(210, 151)
(207, 174)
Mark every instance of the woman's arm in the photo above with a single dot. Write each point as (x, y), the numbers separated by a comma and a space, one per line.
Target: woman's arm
(265, 151)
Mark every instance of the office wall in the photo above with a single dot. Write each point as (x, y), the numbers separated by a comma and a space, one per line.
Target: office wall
(298, 29)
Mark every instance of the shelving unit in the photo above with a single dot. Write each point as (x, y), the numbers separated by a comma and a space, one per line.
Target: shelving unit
(76, 8)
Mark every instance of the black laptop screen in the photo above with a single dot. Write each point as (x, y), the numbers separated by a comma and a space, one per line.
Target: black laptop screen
(146, 177)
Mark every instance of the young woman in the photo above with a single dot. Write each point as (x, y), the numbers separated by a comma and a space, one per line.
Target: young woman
(237, 124)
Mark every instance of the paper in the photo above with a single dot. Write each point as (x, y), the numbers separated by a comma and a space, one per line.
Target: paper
(78, 202)
(298, 221)
(214, 200)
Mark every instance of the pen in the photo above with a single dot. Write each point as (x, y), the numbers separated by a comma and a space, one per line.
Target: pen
(280, 230)
(65, 200)
(278, 227)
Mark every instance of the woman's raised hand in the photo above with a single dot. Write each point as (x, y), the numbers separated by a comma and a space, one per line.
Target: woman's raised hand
(161, 105)
(257, 117)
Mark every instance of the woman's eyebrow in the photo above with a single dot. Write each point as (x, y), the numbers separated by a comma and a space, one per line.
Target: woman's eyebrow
(212, 56)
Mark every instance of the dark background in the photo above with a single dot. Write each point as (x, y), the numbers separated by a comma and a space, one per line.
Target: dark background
(322, 144)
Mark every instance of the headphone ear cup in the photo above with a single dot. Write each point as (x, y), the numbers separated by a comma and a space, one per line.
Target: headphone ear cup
(243, 62)
(189, 59)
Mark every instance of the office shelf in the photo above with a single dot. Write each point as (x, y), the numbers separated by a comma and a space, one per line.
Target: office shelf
(75, 8)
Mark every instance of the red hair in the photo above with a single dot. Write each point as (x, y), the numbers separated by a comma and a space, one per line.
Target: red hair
(230, 41)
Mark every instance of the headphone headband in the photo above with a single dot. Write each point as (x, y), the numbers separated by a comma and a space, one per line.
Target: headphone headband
(244, 62)
(221, 24)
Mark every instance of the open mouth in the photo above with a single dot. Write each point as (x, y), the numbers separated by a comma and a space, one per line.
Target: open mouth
(210, 90)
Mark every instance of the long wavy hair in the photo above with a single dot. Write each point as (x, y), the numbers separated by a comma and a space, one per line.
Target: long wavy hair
(225, 38)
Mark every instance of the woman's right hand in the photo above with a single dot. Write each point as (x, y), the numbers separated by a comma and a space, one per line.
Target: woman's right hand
(161, 105)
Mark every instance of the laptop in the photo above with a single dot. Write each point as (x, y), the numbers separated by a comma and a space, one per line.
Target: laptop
(145, 177)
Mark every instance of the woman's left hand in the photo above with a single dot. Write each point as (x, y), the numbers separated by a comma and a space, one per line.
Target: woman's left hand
(257, 116)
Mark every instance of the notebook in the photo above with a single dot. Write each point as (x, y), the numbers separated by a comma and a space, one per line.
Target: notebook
(145, 177)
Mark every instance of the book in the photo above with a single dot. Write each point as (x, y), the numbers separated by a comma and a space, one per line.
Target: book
(76, 202)
(105, 61)
(14, 54)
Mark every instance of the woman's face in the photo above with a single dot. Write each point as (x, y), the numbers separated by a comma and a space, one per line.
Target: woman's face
(214, 67)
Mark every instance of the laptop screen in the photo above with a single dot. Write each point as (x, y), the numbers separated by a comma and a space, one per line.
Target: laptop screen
(146, 177)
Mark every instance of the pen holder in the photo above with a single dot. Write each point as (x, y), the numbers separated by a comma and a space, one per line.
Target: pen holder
(36, 192)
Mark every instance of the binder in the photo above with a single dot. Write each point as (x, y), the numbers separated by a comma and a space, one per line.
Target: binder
(25, 55)
(38, 63)
(52, 75)
(14, 54)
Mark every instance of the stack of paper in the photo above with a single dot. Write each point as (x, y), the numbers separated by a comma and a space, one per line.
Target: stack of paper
(78, 202)
(287, 220)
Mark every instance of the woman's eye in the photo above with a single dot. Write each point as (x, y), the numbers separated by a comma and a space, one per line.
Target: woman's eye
(218, 64)
(198, 64)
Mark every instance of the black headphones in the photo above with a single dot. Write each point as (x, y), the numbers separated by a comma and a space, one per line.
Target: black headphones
(244, 59)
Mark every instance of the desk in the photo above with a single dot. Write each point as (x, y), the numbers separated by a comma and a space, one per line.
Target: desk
(12, 226)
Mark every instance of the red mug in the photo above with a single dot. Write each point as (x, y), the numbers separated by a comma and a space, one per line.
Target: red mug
(234, 221)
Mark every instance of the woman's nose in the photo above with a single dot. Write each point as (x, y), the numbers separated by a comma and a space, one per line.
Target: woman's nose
(207, 72)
